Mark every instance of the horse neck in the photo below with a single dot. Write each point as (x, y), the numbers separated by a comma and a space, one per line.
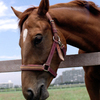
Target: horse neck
(79, 27)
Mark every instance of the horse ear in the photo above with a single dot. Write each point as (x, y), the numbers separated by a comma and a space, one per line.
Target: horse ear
(17, 13)
(43, 7)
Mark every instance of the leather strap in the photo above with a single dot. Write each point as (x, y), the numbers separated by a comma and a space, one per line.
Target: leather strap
(48, 62)
(56, 37)
(38, 68)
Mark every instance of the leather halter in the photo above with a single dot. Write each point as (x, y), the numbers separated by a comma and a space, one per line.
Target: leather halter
(56, 45)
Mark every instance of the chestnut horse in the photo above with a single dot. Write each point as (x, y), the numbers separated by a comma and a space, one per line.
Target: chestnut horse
(77, 23)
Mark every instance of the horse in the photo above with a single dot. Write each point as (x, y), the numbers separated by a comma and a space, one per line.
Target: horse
(45, 32)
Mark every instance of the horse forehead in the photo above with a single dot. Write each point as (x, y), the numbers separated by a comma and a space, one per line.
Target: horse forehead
(31, 21)
(35, 20)
(36, 23)
(25, 32)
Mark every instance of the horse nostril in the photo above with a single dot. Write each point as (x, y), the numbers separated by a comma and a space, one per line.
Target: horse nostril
(43, 93)
(30, 94)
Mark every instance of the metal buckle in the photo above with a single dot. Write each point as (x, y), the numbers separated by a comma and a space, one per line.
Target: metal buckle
(58, 41)
(51, 21)
(46, 67)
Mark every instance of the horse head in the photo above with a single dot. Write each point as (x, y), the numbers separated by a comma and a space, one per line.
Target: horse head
(39, 50)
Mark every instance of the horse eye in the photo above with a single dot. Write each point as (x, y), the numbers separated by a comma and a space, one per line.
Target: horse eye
(38, 39)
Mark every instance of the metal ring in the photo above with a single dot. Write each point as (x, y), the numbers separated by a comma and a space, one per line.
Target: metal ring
(56, 40)
(46, 70)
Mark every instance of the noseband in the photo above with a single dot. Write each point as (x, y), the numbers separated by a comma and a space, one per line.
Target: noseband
(56, 45)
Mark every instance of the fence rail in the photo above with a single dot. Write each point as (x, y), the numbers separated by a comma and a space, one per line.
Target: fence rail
(86, 59)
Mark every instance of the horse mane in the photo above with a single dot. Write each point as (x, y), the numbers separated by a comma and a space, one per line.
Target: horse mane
(89, 5)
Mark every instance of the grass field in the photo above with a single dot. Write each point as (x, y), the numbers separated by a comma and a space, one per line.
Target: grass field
(76, 93)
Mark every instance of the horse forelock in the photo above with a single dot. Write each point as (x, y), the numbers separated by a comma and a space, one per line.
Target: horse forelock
(24, 16)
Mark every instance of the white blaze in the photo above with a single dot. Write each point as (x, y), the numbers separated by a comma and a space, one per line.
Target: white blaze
(25, 34)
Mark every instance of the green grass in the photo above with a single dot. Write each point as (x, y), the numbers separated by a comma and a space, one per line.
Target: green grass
(13, 95)
(76, 93)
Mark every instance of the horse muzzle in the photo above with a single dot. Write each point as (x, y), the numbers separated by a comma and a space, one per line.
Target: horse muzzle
(40, 94)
